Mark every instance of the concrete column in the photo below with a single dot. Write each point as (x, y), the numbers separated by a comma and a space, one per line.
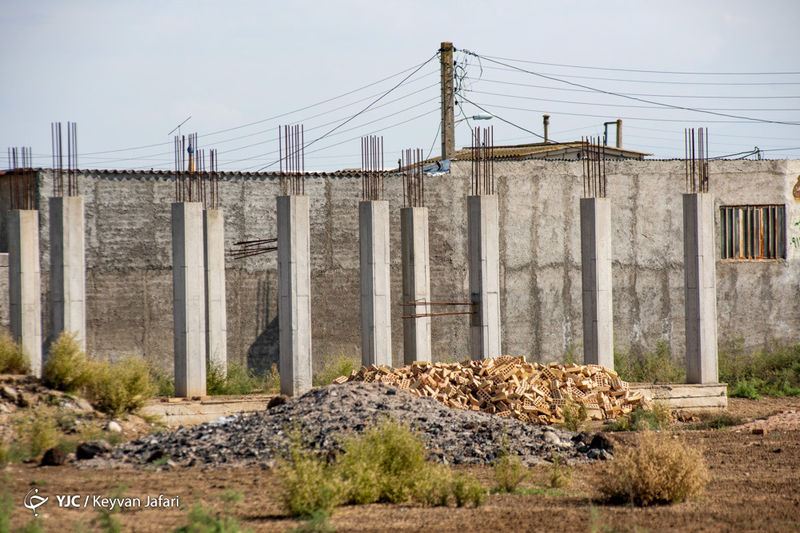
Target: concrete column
(67, 268)
(188, 291)
(484, 275)
(24, 284)
(416, 283)
(598, 314)
(376, 322)
(700, 288)
(294, 294)
(216, 316)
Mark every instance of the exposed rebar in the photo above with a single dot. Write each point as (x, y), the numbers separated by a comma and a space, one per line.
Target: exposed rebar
(696, 163)
(410, 165)
(291, 149)
(372, 168)
(593, 160)
(482, 152)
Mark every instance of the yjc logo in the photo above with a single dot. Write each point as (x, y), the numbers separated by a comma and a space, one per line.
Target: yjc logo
(33, 501)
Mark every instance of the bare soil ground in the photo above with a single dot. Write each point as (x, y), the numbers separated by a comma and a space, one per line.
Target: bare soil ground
(755, 486)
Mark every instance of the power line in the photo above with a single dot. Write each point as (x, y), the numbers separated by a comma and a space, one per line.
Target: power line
(495, 115)
(366, 108)
(671, 106)
(645, 71)
(342, 131)
(550, 111)
(621, 105)
(426, 113)
(694, 96)
(660, 82)
(415, 68)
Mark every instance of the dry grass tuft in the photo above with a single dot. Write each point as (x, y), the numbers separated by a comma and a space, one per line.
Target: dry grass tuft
(659, 469)
(12, 357)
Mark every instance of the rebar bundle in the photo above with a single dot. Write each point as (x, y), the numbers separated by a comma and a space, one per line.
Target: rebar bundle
(372, 173)
(22, 178)
(292, 159)
(593, 157)
(413, 178)
(483, 161)
(696, 163)
(58, 158)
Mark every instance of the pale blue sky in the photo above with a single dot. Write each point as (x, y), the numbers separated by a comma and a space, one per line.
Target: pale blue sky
(128, 72)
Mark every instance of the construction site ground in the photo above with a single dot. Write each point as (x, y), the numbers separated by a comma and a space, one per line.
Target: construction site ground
(755, 486)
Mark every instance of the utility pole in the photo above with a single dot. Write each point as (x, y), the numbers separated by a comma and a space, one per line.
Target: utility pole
(448, 101)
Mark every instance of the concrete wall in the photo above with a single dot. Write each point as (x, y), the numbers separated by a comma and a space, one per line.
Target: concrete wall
(128, 259)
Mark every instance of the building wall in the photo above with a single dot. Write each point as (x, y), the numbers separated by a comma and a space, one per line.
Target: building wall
(129, 279)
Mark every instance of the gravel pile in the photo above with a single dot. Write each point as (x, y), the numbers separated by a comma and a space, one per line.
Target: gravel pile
(322, 415)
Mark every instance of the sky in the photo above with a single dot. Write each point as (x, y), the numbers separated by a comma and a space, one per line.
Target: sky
(128, 72)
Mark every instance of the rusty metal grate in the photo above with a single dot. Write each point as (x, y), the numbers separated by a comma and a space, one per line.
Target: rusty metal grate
(753, 232)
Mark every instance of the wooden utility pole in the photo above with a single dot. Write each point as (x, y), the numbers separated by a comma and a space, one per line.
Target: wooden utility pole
(448, 101)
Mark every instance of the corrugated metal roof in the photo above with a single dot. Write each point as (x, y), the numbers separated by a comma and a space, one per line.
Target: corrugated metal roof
(536, 150)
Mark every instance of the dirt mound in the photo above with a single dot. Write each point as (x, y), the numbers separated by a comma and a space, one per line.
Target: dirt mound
(324, 414)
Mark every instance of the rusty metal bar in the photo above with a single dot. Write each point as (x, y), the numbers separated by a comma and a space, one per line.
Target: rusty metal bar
(423, 315)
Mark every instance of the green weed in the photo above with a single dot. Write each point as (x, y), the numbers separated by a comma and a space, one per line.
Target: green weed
(467, 490)
(386, 463)
(508, 469)
(163, 384)
(743, 389)
(655, 418)
(239, 380)
(771, 371)
(649, 367)
(717, 420)
(341, 365)
(560, 475)
(574, 415)
(37, 431)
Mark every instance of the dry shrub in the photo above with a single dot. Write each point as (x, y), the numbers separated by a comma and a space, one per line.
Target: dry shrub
(659, 469)
(67, 367)
(120, 387)
(12, 357)
(37, 431)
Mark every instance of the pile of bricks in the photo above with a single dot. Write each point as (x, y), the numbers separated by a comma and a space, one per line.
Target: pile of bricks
(510, 387)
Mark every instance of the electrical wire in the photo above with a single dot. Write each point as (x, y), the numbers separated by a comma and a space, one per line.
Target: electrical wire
(415, 68)
(695, 96)
(632, 106)
(645, 71)
(426, 113)
(363, 110)
(495, 115)
(612, 93)
(341, 131)
(659, 82)
(621, 117)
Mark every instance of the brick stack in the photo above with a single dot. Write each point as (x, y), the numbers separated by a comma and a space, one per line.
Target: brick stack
(510, 387)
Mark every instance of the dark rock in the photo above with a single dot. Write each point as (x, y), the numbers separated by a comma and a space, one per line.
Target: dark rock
(584, 437)
(25, 399)
(156, 455)
(91, 449)
(277, 400)
(601, 442)
(53, 457)
(9, 393)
